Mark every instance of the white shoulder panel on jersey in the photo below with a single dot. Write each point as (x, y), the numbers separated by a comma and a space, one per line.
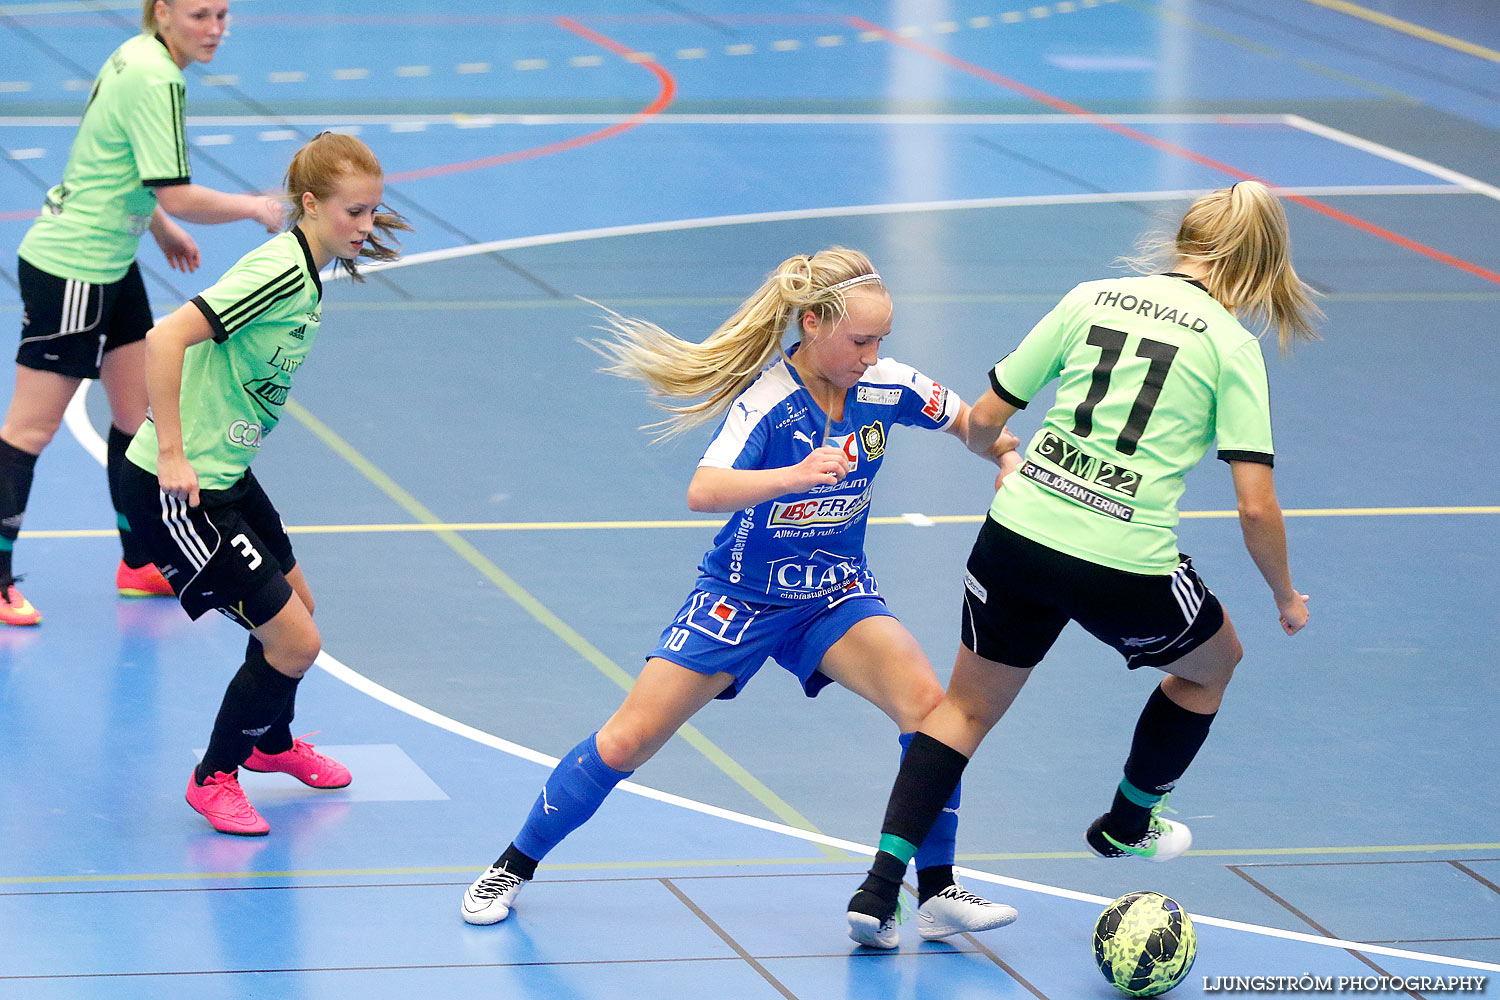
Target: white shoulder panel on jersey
(749, 408)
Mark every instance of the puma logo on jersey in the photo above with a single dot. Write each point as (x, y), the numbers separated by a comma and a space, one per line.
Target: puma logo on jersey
(798, 435)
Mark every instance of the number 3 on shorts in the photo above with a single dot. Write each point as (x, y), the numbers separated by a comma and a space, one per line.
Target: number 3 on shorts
(246, 549)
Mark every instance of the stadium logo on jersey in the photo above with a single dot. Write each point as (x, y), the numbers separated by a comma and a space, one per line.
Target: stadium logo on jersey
(872, 437)
(1071, 459)
(269, 394)
(877, 395)
(937, 402)
(820, 511)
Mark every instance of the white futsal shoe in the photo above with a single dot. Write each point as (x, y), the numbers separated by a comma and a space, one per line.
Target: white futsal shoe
(956, 910)
(490, 899)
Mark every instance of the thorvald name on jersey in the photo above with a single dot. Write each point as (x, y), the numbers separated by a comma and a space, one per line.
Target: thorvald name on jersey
(879, 395)
(1155, 310)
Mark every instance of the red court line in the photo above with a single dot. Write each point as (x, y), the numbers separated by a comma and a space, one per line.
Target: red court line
(663, 98)
(25, 213)
(1059, 104)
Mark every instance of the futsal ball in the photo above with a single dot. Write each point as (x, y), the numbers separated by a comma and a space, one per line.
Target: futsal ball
(1144, 943)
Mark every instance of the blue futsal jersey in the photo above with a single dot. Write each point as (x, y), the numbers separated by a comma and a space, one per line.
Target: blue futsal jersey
(809, 545)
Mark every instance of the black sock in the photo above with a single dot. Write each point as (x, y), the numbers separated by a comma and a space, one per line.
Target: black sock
(277, 739)
(1167, 738)
(253, 702)
(878, 893)
(931, 881)
(930, 771)
(131, 546)
(16, 467)
(514, 861)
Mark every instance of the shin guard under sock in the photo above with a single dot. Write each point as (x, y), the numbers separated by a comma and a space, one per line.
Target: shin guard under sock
(277, 739)
(1167, 738)
(573, 792)
(254, 700)
(16, 468)
(937, 849)
(133, 549)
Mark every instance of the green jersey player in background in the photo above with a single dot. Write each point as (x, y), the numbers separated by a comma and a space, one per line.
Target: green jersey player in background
(1151, 371)
(219, 371)
(85, 303)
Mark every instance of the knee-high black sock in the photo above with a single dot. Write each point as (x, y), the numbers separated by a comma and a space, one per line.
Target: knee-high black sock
(1167, 738)
(929, 773)
(255, 699)
(16, 467)
(278, 739)
(131, 546)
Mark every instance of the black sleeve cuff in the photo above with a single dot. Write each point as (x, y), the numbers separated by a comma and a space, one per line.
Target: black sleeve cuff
(161, 182)
(220, 334)
(1009, 397)
(1247, 456)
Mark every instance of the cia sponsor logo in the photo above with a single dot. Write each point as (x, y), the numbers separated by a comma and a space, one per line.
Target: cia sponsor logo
(811, 575)
(872, 436)
(878, 395)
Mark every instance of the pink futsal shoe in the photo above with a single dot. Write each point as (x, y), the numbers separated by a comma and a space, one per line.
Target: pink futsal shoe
(15, 609)
(303, 763)
(143, 581)
(222, 802)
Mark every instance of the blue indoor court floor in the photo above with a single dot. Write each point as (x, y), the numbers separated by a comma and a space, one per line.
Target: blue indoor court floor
(494, 544)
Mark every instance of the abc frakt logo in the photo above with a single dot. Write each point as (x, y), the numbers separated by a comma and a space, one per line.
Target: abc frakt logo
(245, 434)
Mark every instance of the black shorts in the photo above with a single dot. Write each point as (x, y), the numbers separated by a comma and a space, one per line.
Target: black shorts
(229, 554)
(1018, 595)
(68, 326)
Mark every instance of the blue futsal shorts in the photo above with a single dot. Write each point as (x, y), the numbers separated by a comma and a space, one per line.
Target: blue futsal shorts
(718, 634)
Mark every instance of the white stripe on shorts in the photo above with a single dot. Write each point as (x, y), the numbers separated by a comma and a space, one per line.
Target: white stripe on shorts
(1187, 599)
(174, 515)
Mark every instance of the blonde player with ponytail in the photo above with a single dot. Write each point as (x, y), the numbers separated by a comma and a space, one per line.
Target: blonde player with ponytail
(802, 434)
(1150, 370)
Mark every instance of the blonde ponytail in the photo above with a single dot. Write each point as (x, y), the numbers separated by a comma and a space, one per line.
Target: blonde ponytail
(1239, 235)
(148, 17)
(706, 377)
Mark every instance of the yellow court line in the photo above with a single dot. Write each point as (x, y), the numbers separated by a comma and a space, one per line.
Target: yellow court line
(694, 737)
(1408, 28)
(447, 527)
(468, 870)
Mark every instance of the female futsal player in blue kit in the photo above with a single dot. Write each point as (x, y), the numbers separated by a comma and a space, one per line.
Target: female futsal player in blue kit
(802, 438)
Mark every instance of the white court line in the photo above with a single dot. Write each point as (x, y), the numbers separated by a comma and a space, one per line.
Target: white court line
(1394, 155)
(846, 211)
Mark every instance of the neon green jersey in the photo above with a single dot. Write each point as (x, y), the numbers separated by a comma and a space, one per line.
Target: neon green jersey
(130, 141)
(264, 313)
(1150, 370)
